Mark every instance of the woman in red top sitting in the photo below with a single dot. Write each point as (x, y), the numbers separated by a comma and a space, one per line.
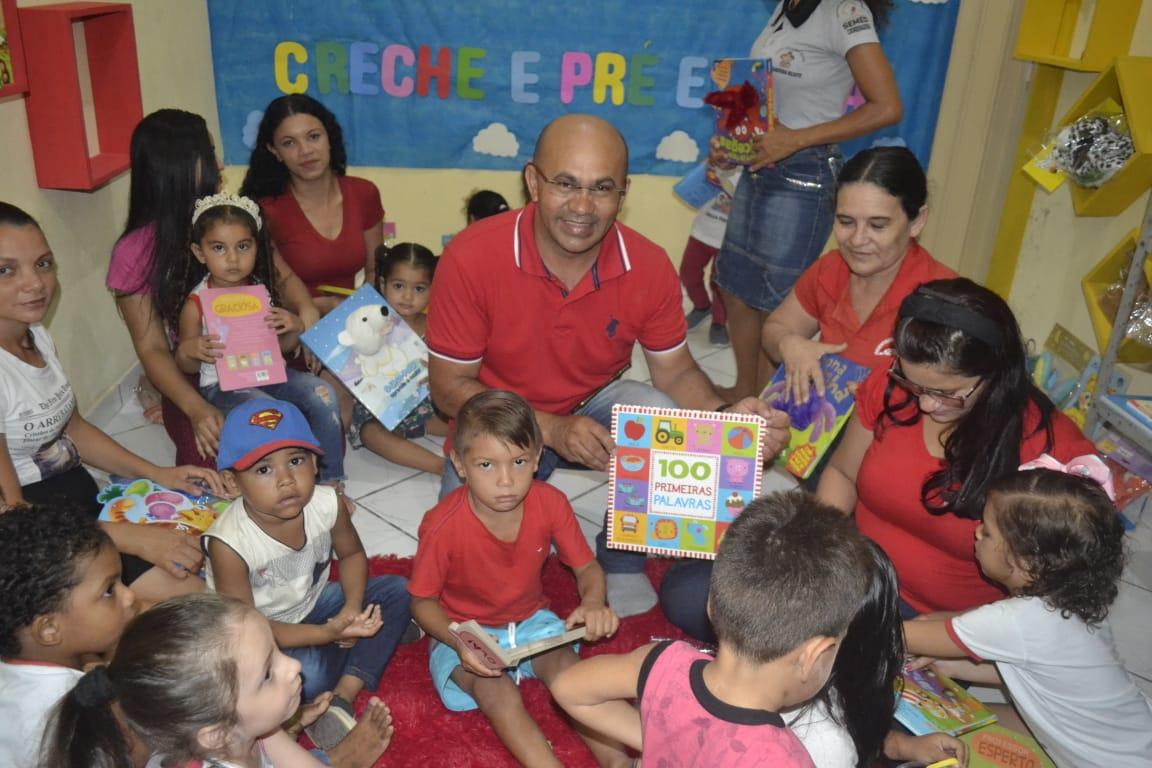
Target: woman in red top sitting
(956, 410)
(851, 294)
(325, 224)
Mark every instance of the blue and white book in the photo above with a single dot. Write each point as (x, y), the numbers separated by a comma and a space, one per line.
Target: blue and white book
(370, 348)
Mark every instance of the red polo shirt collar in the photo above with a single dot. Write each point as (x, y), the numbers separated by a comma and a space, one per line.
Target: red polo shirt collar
(611, 262)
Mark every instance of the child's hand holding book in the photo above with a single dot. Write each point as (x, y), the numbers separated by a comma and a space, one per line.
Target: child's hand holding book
(598, 619)
(348, 626)
(473, 662)
(206, 348)
(282, 321)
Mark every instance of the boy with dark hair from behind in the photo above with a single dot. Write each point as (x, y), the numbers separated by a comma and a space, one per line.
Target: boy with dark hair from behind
(790, 575)
(480, 555)
(63, 606)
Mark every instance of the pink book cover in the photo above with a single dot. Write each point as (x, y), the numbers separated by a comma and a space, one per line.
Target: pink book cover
(251, 349)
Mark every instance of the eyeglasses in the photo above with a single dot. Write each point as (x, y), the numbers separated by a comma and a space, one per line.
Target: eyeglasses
(605, 190)
(946, 399)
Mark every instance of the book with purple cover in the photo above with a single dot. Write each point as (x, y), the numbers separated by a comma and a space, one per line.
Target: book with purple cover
(817, 421)
(251, 355)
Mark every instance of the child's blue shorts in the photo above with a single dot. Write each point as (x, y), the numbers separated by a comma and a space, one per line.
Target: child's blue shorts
(442, 659)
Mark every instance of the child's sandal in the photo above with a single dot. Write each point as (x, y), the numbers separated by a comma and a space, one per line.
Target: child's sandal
(332, 726)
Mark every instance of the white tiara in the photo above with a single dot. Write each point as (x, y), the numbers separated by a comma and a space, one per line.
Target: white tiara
(226, 198)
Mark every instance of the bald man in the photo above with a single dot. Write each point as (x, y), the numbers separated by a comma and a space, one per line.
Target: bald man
(548, 301)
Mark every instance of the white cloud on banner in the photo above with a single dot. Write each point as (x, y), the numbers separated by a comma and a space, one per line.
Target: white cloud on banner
(496, 140)
(678, 146)
(251, 128)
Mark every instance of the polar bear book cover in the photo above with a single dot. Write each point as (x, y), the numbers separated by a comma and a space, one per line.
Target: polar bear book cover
(370, 348)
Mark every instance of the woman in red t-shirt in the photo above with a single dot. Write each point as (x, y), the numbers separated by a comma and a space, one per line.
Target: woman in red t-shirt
(851, 294)
(325, 224)
(956, 410)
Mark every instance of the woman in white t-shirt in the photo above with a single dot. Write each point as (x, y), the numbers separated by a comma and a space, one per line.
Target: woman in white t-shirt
(782, 211)
(44, 439)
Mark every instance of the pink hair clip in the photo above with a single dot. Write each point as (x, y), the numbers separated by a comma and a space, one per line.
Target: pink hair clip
(1088, 465)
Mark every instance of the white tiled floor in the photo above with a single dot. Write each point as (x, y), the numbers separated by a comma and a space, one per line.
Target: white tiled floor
(393, 499)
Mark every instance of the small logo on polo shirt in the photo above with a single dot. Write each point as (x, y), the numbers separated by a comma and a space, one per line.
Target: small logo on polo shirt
(613, 324)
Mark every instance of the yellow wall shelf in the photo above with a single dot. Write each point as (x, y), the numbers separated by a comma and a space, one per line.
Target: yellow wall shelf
(1108, 272)
(1129, 83)
(1047, 26)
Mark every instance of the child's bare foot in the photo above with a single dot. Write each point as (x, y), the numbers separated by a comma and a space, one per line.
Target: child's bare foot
(364, 744)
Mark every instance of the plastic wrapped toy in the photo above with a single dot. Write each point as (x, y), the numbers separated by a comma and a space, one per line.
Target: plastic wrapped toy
(1091, 149)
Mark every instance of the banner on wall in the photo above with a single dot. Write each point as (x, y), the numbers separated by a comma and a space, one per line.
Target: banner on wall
(426, 84)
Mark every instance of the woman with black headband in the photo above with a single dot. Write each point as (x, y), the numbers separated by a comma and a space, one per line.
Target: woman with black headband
(956, 410)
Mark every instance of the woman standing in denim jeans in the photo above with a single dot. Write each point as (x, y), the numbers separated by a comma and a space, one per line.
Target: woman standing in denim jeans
(783, 208)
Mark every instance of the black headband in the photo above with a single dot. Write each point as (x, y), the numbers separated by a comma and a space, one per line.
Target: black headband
(95, 688)
(921, 305)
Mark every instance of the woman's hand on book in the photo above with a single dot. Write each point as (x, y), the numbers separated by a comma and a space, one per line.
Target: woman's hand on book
(190, 479)
(175, 552)
(599, 621)
(777, 144)
(348, 626)
(801, 360)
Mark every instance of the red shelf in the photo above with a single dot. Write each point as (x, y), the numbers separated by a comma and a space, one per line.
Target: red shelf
(55, 109)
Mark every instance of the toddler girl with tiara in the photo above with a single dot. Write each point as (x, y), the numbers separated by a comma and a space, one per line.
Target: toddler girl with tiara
(231, 244)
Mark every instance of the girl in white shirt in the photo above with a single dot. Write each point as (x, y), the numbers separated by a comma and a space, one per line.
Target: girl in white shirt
(1053, 540)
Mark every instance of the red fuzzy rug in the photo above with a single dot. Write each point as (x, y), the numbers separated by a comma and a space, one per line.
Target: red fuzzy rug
(429, 735)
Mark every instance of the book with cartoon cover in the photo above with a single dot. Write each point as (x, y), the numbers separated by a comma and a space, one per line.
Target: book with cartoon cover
(931, 702)
(495, 656)
(144, 502)
(251, 356)
(816, 423)
(744, 105)
(679, 478)
(370, 348)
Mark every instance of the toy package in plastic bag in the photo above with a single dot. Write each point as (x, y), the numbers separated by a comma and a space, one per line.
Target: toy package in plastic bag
(1091, 149)
(1139, 327)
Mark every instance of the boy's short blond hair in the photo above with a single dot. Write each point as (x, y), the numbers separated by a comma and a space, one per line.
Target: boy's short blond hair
(500, 414)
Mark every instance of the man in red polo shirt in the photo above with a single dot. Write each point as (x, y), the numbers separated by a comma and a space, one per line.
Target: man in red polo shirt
(549, 301)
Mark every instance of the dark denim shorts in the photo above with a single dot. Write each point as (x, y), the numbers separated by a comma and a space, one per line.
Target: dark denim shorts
(780, 221)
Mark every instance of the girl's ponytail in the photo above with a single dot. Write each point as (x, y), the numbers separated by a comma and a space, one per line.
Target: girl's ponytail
(83, 729)
(172, 675)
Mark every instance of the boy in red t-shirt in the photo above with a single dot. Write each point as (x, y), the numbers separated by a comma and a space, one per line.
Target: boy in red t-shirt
(480, 556)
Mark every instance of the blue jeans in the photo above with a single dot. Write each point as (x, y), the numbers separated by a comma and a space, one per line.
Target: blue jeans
(316, 400)
(322, 666)
(599, 408)
(779, 223)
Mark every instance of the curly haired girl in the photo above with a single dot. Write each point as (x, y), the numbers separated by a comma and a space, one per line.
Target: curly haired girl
(1052, 538)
